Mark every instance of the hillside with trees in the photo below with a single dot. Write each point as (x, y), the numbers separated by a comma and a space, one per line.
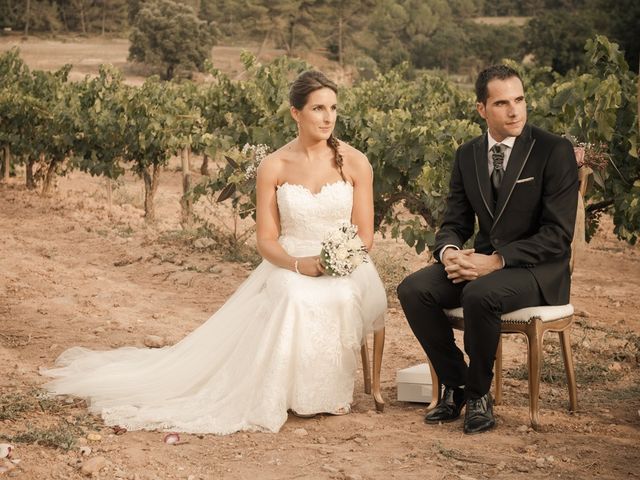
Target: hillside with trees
(371, 35)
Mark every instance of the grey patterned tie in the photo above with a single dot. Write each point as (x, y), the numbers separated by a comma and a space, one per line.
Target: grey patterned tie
(497, 155)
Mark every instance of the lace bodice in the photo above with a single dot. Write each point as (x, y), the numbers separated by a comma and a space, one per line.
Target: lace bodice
(307, 217)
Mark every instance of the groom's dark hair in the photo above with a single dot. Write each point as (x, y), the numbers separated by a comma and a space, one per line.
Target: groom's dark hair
(500, 72)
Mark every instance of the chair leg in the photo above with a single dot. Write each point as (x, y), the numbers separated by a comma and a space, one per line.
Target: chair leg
(498, 374)
(435, 388)
(534, 353)
(378, 349)
(366, 366)
(567, 356)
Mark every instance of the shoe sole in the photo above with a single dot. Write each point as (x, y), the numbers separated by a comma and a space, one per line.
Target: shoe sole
(475, 432)
(435, 422)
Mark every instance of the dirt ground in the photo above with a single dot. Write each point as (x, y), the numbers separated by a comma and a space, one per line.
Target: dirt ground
(76, 271)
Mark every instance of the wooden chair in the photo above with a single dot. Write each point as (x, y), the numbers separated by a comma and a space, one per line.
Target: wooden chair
(378, 348)
(533, 322)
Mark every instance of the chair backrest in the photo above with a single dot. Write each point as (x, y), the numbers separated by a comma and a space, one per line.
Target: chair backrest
(578, 240)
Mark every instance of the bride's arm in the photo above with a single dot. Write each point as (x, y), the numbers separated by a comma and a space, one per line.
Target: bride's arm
(268, 224)
(362, 213)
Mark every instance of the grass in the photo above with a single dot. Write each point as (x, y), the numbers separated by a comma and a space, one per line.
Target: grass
(15, 406)
(63, 436)
(223, 243)
(392, 269)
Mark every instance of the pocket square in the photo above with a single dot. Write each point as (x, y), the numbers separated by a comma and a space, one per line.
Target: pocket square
(525, 180)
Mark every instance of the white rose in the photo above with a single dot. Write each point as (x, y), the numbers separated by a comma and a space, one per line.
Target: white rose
(342, 253)
(354, 244)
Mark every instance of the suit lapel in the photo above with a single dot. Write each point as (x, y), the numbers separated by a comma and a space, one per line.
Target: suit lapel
(517, 160)
(482, 174)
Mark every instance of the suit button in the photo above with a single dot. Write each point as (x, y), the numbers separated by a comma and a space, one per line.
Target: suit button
(496, 241)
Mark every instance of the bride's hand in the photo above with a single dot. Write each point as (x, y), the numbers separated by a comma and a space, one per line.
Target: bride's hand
(310, 266)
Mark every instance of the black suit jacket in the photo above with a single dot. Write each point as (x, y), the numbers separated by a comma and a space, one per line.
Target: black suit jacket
(532, 222)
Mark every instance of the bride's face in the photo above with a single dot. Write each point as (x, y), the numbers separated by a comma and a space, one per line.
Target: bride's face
(317, 118)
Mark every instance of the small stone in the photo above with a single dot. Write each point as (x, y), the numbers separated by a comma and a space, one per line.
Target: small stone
(522, 429)
(522, 468)
(85, 451)
(540, 462)
(321, 440)
(154, 341)
(501, 466)
(615, 367)
(94, 437)
(550, 459)
(93, 466)
(352, 476)
(6, 465)
(98, 330)
(300, 432)
(581, 313)
(465, 477)
(330, 469)
(203, 242)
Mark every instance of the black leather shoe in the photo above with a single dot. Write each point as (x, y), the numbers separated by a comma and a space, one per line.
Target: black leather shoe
(449, 407)
(479, 415)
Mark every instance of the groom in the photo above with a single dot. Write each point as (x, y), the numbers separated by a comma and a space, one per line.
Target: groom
(521, 184)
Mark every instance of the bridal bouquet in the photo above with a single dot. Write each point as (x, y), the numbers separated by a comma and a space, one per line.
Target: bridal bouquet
(342, 251)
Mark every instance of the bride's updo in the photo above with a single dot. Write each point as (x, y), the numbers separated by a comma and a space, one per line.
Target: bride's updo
(301, 88)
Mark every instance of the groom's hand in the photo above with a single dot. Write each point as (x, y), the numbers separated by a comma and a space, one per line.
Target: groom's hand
(458, 265)
(485, 264)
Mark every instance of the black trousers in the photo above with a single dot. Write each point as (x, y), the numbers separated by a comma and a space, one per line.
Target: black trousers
(426, 292)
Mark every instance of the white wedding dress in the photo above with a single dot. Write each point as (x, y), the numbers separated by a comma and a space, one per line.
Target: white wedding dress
(281, 341)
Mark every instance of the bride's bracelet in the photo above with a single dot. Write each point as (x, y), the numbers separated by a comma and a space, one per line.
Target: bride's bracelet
(295, 266)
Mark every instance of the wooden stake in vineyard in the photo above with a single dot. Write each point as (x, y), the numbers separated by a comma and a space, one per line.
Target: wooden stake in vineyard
(186, 202)
(6, 169)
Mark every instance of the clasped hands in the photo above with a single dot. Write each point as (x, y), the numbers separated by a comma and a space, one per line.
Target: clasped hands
(466, 265)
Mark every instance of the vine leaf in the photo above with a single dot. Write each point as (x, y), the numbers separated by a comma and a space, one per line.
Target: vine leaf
(231, 162)
(226, 191)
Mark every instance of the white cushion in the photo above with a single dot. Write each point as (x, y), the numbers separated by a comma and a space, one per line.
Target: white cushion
(546, 313)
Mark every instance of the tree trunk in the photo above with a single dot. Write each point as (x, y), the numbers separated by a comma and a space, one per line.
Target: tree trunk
(186, 203)
(82, 21)
(109, 192)
(31, 181)
(27, 17)
(104, 14)
(263, 45)
(150, 186)
(340, 44)
(204, 168)
(6, 164)
(48, 178)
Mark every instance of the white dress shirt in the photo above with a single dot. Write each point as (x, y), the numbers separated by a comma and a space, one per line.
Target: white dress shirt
(508, 144)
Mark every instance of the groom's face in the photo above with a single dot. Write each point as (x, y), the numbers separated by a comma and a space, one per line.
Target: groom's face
(505, 109)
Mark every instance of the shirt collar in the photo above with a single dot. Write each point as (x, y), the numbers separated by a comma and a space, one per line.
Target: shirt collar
(507, 142)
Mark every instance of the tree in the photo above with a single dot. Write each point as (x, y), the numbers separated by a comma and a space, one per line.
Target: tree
(170, 35)
(557, 38)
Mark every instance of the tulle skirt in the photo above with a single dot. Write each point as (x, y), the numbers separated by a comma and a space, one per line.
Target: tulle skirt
(282, 341)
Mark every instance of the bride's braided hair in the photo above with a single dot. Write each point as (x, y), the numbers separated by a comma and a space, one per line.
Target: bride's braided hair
(308, 82)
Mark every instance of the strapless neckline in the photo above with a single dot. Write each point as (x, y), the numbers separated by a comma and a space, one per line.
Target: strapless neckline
(324, 187)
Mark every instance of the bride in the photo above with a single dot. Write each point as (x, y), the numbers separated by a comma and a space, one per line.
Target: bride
(288, 338)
